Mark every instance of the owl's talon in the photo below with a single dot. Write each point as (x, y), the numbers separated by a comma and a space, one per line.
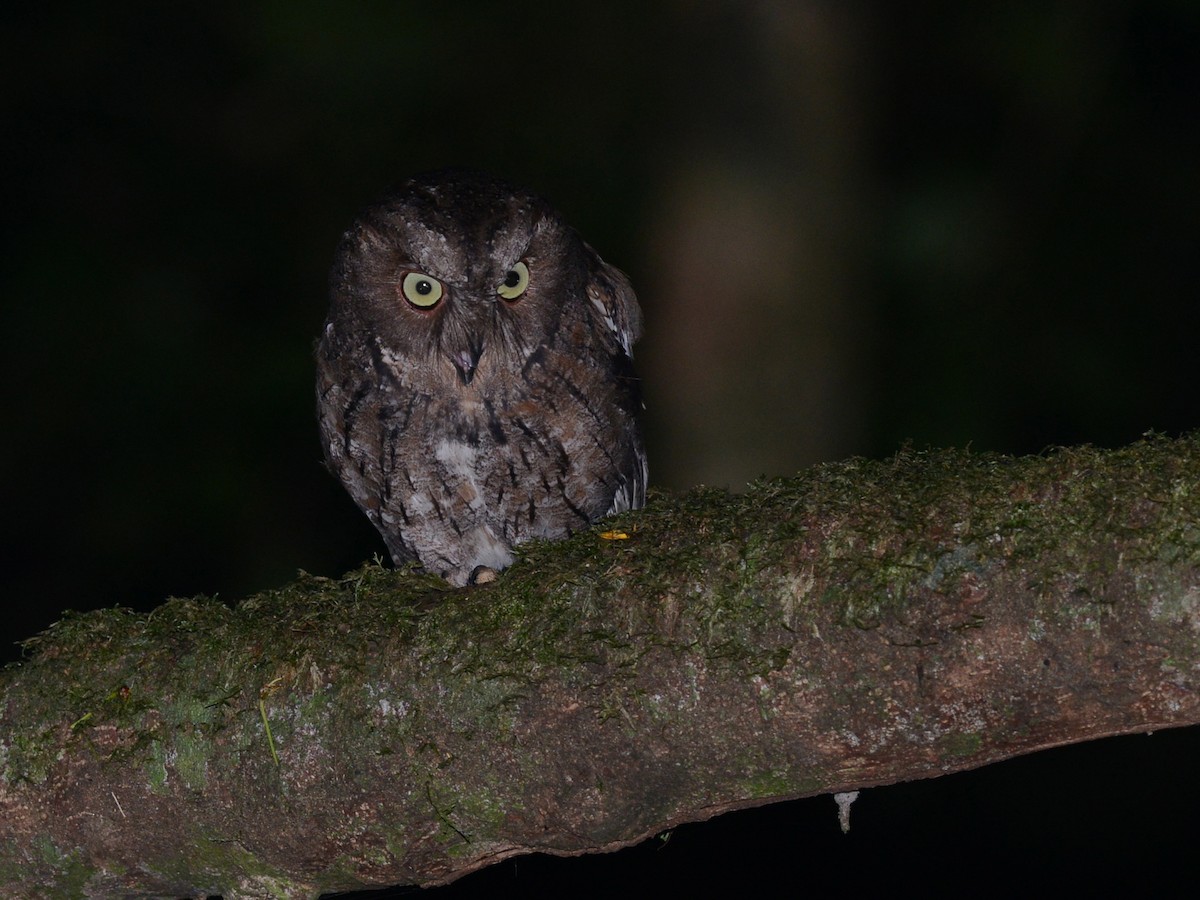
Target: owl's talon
(482, 575)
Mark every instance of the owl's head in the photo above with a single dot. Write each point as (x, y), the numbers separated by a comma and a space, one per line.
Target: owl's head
(458, 269)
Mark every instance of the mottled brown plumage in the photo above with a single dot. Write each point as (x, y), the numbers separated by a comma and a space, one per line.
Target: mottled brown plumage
(475, 387)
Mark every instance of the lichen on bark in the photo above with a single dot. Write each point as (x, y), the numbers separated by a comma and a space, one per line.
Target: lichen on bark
(860, 623)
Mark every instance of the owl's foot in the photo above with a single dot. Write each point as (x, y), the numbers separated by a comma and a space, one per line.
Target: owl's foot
(482, 575)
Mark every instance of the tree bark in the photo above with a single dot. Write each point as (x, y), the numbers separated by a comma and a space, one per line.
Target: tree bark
(861, 623)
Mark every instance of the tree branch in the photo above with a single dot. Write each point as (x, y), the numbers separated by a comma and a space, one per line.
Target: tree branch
(862, 623)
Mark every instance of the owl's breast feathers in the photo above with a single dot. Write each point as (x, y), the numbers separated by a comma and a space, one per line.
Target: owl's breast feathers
(456, 478)
(554, 443)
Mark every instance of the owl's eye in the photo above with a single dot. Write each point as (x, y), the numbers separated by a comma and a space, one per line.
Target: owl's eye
(515, 282)
(421, 290)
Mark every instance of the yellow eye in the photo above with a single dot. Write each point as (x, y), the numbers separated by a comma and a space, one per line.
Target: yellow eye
(421, 290)
(515, 282)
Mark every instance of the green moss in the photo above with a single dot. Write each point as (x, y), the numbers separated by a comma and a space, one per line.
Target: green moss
(28, 755)
(395, 839)
(960, 744)
(725, 582)
(209, 861)
(156, 768)
(191, 759)
(70, 871)
(770, 783)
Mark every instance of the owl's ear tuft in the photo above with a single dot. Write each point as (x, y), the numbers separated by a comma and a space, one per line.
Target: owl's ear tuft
(613, 298)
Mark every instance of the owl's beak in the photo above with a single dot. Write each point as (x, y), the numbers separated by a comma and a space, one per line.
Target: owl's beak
(465, 361)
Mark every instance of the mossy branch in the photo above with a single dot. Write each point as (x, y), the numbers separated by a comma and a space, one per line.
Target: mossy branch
(862, 623)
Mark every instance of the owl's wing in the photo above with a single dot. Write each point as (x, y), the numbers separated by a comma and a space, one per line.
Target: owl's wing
(631, 494)
(613, 298)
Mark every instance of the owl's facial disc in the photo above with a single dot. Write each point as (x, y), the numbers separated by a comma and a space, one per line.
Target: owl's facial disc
(472, 322)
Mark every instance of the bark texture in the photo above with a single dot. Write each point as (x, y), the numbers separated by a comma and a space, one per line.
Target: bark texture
(861, 623)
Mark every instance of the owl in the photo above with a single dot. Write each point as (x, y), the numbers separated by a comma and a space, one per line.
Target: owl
(475, 383)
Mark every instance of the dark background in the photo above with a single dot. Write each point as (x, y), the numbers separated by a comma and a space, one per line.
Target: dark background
(851, 225)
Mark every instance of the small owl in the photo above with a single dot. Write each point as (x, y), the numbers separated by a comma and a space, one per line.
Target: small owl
(475, 384)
